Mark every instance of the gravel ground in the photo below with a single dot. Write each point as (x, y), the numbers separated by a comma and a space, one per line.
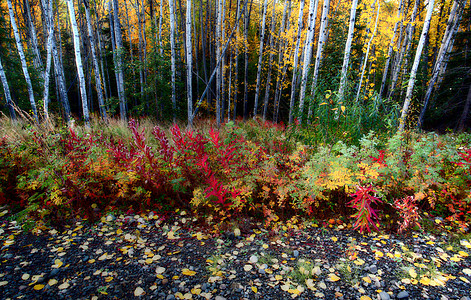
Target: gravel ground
(141, 256)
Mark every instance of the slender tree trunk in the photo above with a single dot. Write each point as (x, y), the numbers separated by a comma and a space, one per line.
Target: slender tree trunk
(413, 74)
(404, 50)
(23, 61)
(59, 71)
(348, 45)
(281, 60)
(218, 68)
(6, 89)
(295, 64)
(367, 53)
(448, 38)
(390, 50)
(78, 61)
(323, 30)
(119, 60)
(236, 67)
(246, 58)
(307, 55)
(37, 60)
(140, 49)
(172, 51)
(47, 9)
(189, 57)
(270, 61)
(99, 90)
(260, 58)
(223, 62)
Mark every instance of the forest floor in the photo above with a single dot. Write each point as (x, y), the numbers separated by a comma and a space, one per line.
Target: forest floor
(127, 256)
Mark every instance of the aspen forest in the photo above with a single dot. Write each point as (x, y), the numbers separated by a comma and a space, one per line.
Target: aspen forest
(373, 64)
(265, 109)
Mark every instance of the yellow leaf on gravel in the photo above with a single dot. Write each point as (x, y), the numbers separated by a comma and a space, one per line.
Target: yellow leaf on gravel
(195, 291)
(425, 280)
(160, 270)
(57, 264)
(365, 298)
(25, 276)
(334, 239)
(199, 236)
(149, 261)
(359, 262)
(254, 289)
(38, 287)
(463, 254)
(367, 279)
(119, 231)
(333, 277)
(464, 279)
(2, 283)
(467, 272)
(188, 272)
(278, 277)
(412, 273)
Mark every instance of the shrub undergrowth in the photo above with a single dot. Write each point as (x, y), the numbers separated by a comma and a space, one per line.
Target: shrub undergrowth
(254, 169)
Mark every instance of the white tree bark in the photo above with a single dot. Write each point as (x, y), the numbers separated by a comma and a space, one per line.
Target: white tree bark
(413, 73)
(37, 60)
(348, 46)
(47, 9)
(390, 50)
(270, 60)
(6, 89)
(91, 37)
(367, 53)
(218, 68)
(448, 38)
(260, 58)
(295, 63)
(189, 57)
(281, 60)
(119, 60)
(23, 60)
(307, 55)
(172, 57)
(78, 61)
(320, 47)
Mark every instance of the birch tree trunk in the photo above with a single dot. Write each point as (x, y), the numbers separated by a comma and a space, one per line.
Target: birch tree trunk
(320, 47)
(119, 60)
(47, 9)
(307, 55)
(59, 70)
(260, 58)
(404, 50)
(189, 57)
(23, 61)
(246, 60)
(172, 59)
(218, 68)
(448, 38)
(37, 60)
(390, 50)
(295, 63)
(270, 61)
(236, 67)
(281, 61)
(413, 73)
(99, 90)
(6, 89)
(78, 61)
(348, 46)
(365, 62)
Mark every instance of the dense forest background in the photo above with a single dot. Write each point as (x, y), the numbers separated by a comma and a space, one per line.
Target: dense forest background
(369, 64)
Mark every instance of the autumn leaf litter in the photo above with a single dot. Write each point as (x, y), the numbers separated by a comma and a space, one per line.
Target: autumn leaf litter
(142, 256)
